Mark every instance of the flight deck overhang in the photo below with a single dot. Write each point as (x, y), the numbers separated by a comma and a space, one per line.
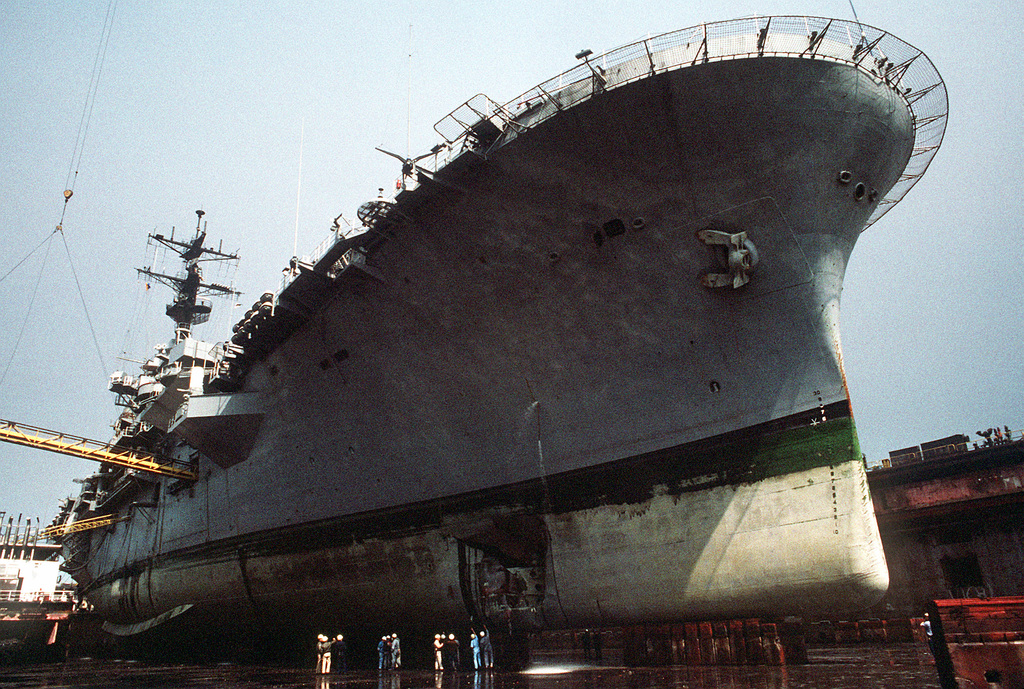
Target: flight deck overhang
(223, 427)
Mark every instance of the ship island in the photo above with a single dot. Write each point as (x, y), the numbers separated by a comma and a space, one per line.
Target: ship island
(581, 368)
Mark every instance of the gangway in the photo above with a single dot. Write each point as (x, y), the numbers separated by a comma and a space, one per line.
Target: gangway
(61, 530)
(66, 444)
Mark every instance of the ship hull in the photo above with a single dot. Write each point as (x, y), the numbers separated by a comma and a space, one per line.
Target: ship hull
(791, 542)
(532, 408)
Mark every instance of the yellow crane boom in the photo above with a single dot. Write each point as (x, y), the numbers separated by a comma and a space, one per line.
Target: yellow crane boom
(61, 530)
(66, 444)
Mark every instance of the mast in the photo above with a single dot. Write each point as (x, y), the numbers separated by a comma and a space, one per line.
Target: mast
(188, 309)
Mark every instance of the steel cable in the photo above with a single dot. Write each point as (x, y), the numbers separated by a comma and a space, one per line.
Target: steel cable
(28, 312)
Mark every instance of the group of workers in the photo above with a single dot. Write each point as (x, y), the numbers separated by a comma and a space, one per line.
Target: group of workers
(995, 436)
(447, 651)
(331, 653)
(389, 653)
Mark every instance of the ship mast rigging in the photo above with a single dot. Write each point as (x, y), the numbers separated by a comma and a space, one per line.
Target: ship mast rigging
(188, 309)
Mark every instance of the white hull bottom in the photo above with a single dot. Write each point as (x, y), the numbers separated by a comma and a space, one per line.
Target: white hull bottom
(804, 543)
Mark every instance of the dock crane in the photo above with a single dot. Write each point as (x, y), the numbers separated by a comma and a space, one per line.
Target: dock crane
(75, 446)
(61, 530)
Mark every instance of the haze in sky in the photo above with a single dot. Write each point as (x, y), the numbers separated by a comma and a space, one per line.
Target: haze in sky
(212, 105)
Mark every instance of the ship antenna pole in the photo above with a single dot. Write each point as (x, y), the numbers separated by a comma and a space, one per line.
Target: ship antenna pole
(408, 102)
(298, 189)
(857, 19)
(854, 9)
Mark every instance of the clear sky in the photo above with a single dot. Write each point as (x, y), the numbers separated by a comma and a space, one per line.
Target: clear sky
(208, 105)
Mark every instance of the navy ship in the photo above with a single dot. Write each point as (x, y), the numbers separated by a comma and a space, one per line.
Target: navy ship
(582, 367)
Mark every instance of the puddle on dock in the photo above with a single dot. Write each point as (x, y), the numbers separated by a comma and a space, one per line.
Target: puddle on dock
(899, 666)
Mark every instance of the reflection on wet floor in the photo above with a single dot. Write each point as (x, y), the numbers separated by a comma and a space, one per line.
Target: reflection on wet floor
(903, 666)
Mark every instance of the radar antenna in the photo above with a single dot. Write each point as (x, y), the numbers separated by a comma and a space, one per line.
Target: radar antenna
(187, 309)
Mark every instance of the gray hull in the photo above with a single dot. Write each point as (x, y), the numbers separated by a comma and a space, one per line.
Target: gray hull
(528, 405)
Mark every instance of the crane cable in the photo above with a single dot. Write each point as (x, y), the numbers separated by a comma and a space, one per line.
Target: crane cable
(83, 130)
(69, 184)
(35, 291)
(90, 102)
(81, 295)
(28, 256)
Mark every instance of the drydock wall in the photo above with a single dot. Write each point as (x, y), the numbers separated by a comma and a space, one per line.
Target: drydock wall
(952, 527)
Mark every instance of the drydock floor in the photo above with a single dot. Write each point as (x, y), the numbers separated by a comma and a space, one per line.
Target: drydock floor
(903, 666)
